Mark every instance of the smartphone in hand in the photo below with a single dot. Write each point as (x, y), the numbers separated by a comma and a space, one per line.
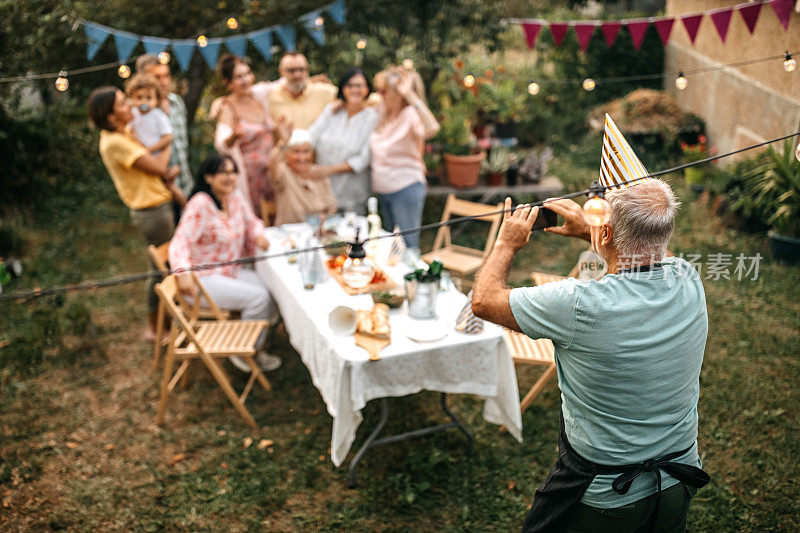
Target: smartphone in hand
(546, 219)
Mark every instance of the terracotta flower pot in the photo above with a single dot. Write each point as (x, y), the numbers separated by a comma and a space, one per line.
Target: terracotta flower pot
(495, 179)
(463, 170)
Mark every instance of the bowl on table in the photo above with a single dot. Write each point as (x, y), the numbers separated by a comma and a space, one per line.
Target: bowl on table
(393, 299)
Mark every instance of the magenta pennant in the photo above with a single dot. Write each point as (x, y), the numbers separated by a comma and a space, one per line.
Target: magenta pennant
(584, 33)
(558, 30)
(664, 28)
(637, 29)
(531, 30)
(722, 21)
(750, 14)
(783, 10)
(692, 25)
(610, 31)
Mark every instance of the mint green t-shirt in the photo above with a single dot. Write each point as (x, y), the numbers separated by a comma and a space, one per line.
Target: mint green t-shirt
(628, 351)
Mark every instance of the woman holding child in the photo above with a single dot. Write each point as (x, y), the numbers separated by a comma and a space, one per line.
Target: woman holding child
(140, 177)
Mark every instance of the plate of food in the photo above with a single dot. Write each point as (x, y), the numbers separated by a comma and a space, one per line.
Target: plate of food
(426, 330)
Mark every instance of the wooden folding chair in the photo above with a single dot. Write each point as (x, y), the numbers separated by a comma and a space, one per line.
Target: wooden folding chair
(540, 278)
(160, 257)
(210, 341)
(527, 351)
(460, 259)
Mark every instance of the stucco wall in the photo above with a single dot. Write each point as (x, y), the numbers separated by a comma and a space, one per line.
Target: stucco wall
(741, 105)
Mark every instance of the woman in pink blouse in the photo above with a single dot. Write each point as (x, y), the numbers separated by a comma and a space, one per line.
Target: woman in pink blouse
(217, 225)
(396, 147)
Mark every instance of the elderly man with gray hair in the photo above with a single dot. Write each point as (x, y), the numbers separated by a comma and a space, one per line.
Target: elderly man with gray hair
(628, 351)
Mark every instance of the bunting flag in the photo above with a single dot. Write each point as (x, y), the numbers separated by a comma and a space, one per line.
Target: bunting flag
(125, 42)
(692, 25)
(664, 28)
(610, 31)
(722, 21)
(749, 13)
(338, 12)
(584, 33)
(210, 51)
(783, 10)
(237, 45)
(262, 40)
(96, 35)
(313, 27)
(558, 30)
(155, 45)
(183, 50)
(288, 37)
(618, 162)
(638, 29)
(531, 30)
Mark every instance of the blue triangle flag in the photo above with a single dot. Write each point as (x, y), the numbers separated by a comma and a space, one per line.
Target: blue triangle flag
(316, 31)
(211, 51)
(337, 11)
(183, 50)
(154, 45)
(237, 45)
(262, 40)
(125, 42)
(96, 35)
(287, 36)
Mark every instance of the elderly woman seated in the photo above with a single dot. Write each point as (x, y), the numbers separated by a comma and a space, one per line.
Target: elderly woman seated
(298, 191)
(218, 226)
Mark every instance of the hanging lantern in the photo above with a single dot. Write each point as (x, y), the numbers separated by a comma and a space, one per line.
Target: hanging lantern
(408, 64)
(232, 23)
(357, 270)
(533, 88)
(62, 83)
(680, 81)
(124, 72)
(790, 63)
(469, 81)
(361, 43)
(589, 84)
(163, 57)
(202, 41)
(596, 210)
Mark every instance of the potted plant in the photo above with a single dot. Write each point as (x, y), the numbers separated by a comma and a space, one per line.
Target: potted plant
(696, 174)
(501, 100)
(776, 192)
(458, 141)
(496, 165)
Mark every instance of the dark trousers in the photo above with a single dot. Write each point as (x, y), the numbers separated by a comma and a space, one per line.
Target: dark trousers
(634, 517)
(156, 224)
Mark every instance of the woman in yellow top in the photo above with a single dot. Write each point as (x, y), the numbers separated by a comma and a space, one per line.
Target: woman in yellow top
(138, 176)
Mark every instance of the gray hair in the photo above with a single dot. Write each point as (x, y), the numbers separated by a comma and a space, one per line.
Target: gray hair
(643, 218)
(144, 61)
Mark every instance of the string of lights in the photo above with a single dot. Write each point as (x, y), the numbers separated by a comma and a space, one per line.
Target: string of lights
(596, 211)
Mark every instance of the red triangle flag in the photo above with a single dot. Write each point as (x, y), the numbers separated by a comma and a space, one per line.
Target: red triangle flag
(692, 25)
(722, 21)
(783, 10)
(559, 30)
(584, 32)
(637, 29)
(610, 31)
(664, 28)
(531, 30)
(750, 14)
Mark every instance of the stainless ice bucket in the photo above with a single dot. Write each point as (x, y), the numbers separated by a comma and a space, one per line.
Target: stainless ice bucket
(421, 298)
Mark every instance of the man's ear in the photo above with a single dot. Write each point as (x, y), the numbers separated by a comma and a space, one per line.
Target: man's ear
(606, 235)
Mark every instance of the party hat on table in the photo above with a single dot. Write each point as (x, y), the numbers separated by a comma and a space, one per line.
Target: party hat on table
(467, 322)
(618, 162)
(398, 247)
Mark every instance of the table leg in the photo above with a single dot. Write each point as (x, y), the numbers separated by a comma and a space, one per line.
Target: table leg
(372, 441)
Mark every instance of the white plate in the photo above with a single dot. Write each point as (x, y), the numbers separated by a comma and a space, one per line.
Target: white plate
(426, 330)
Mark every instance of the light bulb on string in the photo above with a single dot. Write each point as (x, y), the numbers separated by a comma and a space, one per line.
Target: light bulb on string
(62, 83)
(596, 210)
(408, 64)
(790, 63)
(319, 21)
(589, 84)
(469, 81)
(202, 41)
(163, 57)
(361, 43)
(533, 88)
(232, 23)
(124, 72)
(680, 81)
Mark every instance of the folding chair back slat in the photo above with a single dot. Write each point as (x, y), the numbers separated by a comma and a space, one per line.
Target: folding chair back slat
(527, 351)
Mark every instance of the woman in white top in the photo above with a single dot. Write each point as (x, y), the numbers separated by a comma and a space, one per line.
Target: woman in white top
(340, 137)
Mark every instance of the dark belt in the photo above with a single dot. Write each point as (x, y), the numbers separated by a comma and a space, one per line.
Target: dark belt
(572, 474)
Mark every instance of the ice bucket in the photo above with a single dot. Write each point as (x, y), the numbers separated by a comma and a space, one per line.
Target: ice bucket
(421, 298)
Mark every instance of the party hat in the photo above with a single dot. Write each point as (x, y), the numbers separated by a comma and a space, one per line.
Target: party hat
(467, 322)
(398, 247)
(618, 163)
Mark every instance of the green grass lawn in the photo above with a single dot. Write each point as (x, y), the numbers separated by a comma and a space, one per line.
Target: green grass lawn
(79, 448)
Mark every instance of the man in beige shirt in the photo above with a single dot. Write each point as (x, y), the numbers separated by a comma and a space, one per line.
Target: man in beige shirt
(298, 98)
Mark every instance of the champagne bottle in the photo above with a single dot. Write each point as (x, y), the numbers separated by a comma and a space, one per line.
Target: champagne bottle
(373, 224)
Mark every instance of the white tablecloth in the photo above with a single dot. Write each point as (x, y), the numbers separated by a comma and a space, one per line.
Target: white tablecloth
(341, 371)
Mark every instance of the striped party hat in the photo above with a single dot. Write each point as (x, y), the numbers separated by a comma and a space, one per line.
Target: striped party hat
(618, 163)
(398, 247)
(467, 322)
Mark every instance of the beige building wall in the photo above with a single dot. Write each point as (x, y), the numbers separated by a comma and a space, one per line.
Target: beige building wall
(743, 105)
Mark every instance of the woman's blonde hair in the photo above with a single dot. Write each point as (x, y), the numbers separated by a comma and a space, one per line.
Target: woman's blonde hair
(391, 76)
